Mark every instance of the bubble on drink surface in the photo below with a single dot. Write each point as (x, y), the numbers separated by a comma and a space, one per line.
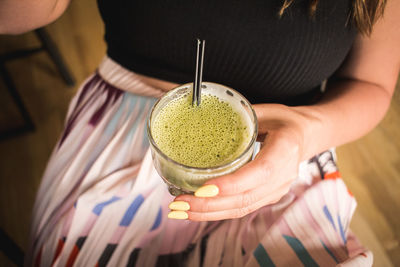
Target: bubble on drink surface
(208, 135)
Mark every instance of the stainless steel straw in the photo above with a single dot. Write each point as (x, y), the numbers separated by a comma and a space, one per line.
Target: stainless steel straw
(196, 98)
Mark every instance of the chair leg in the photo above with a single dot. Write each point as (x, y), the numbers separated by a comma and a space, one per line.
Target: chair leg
(28, 125)
(11, 249)
(55, 55)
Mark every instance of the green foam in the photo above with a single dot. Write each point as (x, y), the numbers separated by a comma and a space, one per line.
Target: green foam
(208, 135)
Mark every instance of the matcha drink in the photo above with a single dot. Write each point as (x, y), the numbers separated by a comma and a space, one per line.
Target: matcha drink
(208, 135)
(191, 144)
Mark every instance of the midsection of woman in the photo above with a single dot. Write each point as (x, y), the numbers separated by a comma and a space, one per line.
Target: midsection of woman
(269, 59)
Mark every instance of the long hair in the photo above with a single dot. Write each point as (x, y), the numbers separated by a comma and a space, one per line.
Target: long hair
(363, 13)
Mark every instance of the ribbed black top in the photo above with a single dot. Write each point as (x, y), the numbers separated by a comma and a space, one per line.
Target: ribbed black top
(248, 47)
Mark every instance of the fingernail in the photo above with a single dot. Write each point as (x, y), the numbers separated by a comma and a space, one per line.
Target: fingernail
(209, 190)
(178, 214)
(179, 205)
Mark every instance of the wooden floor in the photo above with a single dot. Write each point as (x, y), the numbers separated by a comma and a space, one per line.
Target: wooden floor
(370, 166)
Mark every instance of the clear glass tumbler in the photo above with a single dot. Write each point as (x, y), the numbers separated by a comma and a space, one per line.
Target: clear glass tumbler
(182, 179)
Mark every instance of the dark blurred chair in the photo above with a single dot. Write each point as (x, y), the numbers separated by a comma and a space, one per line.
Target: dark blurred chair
(48, 46)
(13, 252)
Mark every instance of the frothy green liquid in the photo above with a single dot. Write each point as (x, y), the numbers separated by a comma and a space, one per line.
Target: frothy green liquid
(208, 135)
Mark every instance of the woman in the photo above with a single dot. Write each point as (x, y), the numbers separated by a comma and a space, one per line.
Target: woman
(101, 201)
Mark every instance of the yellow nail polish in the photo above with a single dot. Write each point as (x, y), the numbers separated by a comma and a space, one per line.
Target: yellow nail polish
(178, 214)
(179, 205)
(209, 190)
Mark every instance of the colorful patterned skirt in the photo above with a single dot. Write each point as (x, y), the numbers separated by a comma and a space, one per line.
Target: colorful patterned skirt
(102, 203)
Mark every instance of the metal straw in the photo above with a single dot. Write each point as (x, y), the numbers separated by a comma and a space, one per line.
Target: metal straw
(196, 98)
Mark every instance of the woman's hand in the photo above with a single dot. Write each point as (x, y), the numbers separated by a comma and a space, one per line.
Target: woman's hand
(263, 181)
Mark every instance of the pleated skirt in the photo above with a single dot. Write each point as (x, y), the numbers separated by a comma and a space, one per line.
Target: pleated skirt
(102, 203)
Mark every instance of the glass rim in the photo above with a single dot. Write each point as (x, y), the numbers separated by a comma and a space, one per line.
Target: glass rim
(218, 167)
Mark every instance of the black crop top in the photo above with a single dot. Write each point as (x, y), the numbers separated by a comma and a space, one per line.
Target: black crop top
(248, 47)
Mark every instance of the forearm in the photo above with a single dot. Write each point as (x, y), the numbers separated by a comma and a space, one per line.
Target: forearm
(18, 16)
(349, 110)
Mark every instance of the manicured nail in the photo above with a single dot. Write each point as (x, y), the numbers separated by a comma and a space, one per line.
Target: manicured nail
(209, 190)
(178, 214)
(179, 205)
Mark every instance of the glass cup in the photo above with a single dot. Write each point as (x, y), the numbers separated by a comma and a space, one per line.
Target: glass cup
(183, 179)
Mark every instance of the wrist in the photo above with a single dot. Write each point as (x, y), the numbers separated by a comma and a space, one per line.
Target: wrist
(314, 128)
